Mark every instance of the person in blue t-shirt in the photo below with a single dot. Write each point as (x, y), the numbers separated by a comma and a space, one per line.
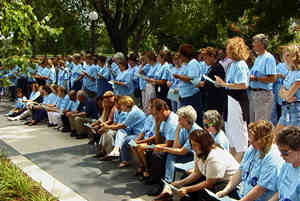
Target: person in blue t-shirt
(20, 104)
(290, 91)
(70, 107)
(262, 77)
(188, 92)
(123, 83)
(259, 168)
(103, 76)
(287, 183)
(86, 112)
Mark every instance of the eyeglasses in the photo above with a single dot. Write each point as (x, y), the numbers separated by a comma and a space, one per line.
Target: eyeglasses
(207, 125)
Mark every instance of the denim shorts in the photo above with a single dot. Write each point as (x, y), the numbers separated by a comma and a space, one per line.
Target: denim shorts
(290, 115)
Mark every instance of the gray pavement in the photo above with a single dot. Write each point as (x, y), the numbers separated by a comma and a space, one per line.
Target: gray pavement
(69, 161)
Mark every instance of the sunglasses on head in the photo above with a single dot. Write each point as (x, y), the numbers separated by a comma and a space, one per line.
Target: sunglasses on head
(207, 125)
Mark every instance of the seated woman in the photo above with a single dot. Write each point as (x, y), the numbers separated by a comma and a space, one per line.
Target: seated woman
(54, 113)
(213, 168)
(20, 104)
(35, 97)
(38, 110)
(107, 102)
(259, 167)
(142, 141)
(213, 123)
(288, 183)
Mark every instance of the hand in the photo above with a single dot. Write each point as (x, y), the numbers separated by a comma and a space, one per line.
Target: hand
(252, 78)
(175, 91)
(219, 81)
(283, 93)
(176, 76)
(221, 194)
(176, 184)
(182, 191)
(291, 99)
(169, 83)
(158, 148)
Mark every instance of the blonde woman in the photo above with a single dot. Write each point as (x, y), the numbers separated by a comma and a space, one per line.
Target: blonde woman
(259, 167)
(290, 92)
(236, 114)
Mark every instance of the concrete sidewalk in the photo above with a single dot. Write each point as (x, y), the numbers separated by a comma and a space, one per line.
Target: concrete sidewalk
(55, 158)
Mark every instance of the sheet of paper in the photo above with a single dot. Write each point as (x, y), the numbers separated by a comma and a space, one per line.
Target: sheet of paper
(208, 79)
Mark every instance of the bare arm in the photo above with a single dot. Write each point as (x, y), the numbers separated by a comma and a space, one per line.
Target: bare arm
(234, 181)
(265, 79)
(221, 83)
(274, 197)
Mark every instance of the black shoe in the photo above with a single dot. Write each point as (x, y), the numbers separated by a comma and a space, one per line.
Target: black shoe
(81, 137)
(64, 130)
(73, 134)
(155, 191)
(99, 155)
(149, 181)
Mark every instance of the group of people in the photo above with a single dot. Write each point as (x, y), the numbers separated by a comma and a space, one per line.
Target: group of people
(207, 114)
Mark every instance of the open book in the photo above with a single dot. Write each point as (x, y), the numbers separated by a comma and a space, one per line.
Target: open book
(172, 187)
(225, 198)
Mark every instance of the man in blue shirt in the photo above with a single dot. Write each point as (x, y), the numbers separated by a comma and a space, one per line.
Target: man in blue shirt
(86, 112)
(262, 76)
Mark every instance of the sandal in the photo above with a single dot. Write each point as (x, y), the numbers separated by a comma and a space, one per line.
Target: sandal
(123, 164)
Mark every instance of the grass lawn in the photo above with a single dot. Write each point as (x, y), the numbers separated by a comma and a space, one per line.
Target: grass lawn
(17, 186)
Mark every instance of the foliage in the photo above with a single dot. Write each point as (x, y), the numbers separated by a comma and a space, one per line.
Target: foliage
(15, 185)
(18, 26)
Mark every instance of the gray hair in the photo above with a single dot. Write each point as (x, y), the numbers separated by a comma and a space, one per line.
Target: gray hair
(214, 117)
(188, 112)
(82, 93)
(119, 56)
(262, 38)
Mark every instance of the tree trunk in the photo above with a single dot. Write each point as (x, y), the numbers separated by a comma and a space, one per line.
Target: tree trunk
(120, 43)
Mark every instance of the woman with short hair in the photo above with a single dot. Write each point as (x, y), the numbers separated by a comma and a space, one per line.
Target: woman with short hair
(259, 167)
(290, 91)
(288, 183)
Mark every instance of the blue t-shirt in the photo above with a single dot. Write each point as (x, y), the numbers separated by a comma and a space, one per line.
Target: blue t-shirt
(167, 128)
(75, 73)
(185, 134)
(191, 70)
(149, 127)
(119, 116)
(264, 65)
(292, 76)
(20, 104)
(126, 78)
(221, 139)
(88, 83)
(142, 82)
(281, 68)
(262, 172)
(238, 73)
(135, 121)
(51, 99)
(288, 183)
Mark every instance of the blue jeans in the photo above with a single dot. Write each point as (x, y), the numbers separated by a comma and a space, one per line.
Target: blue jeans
(125, 148)
(170, 162)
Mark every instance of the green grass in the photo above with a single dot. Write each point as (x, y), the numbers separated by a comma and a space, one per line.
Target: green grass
(17, 186)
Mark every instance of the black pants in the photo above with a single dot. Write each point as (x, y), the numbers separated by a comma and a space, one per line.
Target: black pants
(157, 161)
(65, 121)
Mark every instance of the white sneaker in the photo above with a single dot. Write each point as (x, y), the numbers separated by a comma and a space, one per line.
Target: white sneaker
(12, 118)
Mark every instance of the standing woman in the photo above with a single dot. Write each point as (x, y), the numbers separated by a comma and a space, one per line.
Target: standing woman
(236, 114)
(123, 85)
(189, 94)
(290, 92)
(215, 97)
(149, 71)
